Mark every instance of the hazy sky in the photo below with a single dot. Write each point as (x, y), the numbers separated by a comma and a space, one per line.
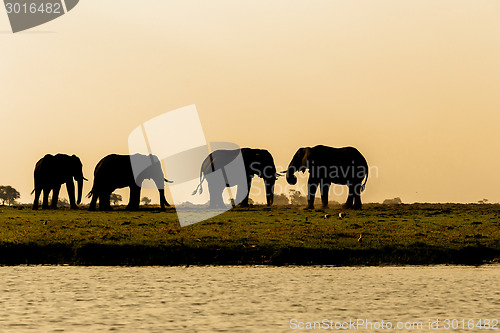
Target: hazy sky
(414, 85)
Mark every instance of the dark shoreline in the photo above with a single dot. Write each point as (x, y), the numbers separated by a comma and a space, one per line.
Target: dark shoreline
(93, 254)
(378, 235)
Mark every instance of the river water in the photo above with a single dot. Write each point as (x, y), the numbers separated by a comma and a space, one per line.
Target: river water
(248, 299)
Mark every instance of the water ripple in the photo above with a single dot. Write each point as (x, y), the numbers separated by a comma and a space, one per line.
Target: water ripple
(237, 299)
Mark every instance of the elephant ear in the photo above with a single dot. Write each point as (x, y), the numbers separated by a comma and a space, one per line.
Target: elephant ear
(259, 156)
(305, 158)
(76, 160)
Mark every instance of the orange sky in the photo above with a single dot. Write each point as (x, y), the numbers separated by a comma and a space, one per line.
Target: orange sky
(414, 85)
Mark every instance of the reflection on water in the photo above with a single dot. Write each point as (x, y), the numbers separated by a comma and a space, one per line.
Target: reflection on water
(238, 299)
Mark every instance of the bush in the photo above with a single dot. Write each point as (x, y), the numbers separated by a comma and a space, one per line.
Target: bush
(395, 201)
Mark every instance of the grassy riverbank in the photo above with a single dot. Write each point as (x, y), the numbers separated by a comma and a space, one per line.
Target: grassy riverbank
(390, 235)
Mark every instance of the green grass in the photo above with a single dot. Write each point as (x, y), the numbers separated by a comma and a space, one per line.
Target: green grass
(391, 235)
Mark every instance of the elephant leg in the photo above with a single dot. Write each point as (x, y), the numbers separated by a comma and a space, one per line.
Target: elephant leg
(104, 200)
(350, 197)
(215, 192)
(213, 195)
(38, 191)
(93, 202)
(55, 196)
(71, 194)
(357, 196)
(216, 185)
(312, 185)
(45, 203)
(219, 199)
(325, 188)
(135, 197)
(244, 201)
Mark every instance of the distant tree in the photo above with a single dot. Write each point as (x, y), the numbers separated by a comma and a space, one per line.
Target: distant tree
(395, 201)
(297, 199)
(146, 201)
(334, 203)
(8, 195)
(281, 199)
(62, 202)
(115, 198)
(186, 204)
(484, 201)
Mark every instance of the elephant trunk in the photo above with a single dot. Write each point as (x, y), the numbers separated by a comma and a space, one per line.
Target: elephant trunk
(290, 175)
(159, 182)
(269, 192)
(163, 200)
(80, 189)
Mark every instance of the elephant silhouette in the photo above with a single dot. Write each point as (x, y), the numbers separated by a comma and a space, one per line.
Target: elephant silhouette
(257, 162)
(326, 165)
(53, 171)
(116, 171)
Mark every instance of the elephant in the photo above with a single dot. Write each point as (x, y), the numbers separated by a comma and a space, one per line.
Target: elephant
(53, 171)
(326, 165)
(257, 162)
(117, 171)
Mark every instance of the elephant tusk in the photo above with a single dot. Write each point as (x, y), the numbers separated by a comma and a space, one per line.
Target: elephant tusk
(168, 181)
(282, 172)
(279, 174)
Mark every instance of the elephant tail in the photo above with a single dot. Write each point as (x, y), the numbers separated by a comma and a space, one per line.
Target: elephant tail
(366, 179)
(32, 191)
(199, 185)
(90, 194)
